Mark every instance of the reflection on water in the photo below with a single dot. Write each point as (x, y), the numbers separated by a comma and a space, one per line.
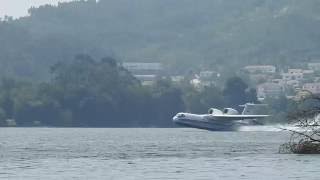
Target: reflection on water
(52, 153)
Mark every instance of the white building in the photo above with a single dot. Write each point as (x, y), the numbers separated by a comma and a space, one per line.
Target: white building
(264, 69)
(314, 66)
(316, 79)
(308, 71)
(258, 78)
(295, 71)
(146, 79)
(293, 74)
(143, 68)
(147, 73)
(208, 74)
(177, 79)
(196, 83)
(312, 87)
(278, 81)
(269, 89)
(293, 83)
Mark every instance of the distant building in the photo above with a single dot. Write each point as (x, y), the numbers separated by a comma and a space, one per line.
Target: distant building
(259, 78)
(196, 83)
(278, 81)
(293, 83)
(264, 69)
(177, 79)
(308, 72)
(295, 71)
(147, 73)
(208, 78)
(208, 74)
(312, 87)
(269, 89)
(316, 79)
(314, 66)
(143, 68)
(146, 79)
(294, 77)
(200, 84)
(11, 123)
(293, 74)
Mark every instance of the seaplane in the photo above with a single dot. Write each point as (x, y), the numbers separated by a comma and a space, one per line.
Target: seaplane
(228, 119)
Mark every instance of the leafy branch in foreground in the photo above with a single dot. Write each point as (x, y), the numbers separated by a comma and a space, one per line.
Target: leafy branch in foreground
(305, 139)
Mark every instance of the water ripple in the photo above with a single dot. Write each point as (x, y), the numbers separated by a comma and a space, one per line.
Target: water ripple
(49, 153)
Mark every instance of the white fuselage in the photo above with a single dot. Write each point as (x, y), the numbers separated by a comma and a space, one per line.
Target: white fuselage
(211, 122)
(217, 120)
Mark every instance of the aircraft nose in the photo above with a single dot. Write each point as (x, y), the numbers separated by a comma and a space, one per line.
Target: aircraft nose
(175, 118)
(178, 117)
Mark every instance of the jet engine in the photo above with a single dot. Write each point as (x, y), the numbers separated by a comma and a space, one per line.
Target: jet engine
(214, 111)
(230, 111)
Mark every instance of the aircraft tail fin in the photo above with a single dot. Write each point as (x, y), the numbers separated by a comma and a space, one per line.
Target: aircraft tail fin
(257, 109)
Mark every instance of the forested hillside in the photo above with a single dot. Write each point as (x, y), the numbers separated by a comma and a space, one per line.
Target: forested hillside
(179, 33)
(86, 92)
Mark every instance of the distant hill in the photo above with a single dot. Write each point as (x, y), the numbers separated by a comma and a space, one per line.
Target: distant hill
(180, 33)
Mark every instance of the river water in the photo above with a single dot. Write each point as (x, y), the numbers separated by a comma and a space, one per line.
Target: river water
(120, 154)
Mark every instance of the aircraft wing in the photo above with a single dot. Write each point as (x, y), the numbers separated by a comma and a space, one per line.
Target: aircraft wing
(236, 117)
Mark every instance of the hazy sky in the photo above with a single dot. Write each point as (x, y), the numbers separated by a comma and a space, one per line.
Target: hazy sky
(18, 8)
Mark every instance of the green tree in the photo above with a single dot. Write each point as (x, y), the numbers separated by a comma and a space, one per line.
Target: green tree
(167, 100)
(94, 92)
(201, 101)
(235, 92)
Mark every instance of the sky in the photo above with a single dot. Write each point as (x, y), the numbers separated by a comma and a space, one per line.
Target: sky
(18, 8)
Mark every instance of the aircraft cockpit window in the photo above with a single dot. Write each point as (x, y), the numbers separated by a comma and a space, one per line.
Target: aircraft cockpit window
(181, 115)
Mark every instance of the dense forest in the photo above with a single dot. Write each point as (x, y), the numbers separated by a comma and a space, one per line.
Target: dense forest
(85, 92)
(179, 33)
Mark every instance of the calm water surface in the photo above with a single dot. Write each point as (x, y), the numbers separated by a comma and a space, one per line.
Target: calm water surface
(52, 153)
